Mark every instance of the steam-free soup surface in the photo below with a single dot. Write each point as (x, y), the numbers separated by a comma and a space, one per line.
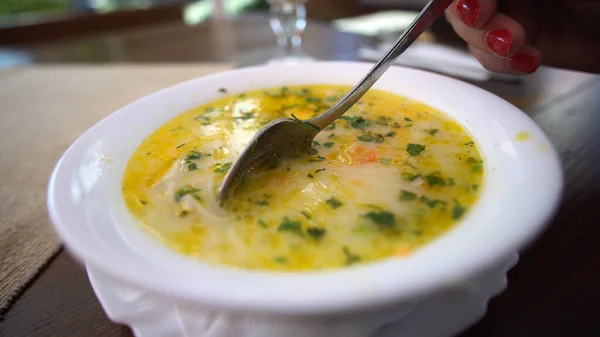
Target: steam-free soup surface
(390, 176)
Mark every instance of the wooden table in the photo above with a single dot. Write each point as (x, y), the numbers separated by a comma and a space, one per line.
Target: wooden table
(555, 289)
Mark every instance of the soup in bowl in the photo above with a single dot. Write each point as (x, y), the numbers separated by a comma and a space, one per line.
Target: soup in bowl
(426, 183)
(389, 176)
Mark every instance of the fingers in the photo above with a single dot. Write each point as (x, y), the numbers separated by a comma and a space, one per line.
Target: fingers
(500, 35)
(526, 61)
(496, 40)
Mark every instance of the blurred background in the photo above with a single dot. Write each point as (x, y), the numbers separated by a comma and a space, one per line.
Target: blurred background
(240, 31)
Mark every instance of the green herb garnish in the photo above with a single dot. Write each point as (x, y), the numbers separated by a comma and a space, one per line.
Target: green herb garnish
(458, 210)
(280, 259)
(415, 149)
(385, 160)
(407, 195)
(194, 155)
(334, 203)
(290, 226)
(350, 257)
(223, 90)
(310, 175)
(432, 131)
(316, 232)
(180, 145)
(432, 203)
(262, 223)
(357, 122)
(315, 143)
(306, 215)
(382, 218)
(192, 167)
(433, 179)
(185, 190)
(329, 144)
(371, 138)
(263, 202)
(223, 167)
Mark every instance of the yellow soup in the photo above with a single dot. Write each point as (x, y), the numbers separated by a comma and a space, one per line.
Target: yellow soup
(391, 175)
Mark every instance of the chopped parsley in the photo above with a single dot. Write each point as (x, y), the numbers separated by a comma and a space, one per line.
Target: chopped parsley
(434, 179)
(407, 195)
(470, 143)
(223, 90)
(382, 218)
(306, 215)
(319, 170)
(223, 167)
(383, 120)
(195, 155)
(334, 203)
(313, 100)
(407, 119)
(477, 164)
(310, 175)
(143, 202)
(329, 144)
(458, 211)
(280, 259)
(180, 145)
(385, 160)
(186, 190)
(331, 127)
(415, 149)
(357, 122)
(192, 167)
(316, 232)
(432, 203)
(312, 151)
(371, 137)
(390, 134)
(263, 202)
(432, 132)
(396, 125)
(350, 257)
(290, 226)
(331, 135)
(262, 223)
(315, 143)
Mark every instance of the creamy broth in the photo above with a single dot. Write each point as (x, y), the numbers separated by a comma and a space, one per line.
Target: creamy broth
(390, 176)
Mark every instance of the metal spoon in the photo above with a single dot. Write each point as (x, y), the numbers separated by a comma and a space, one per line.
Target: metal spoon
(288, 137)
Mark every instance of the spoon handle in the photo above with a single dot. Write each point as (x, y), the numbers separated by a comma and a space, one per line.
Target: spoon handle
(428, 15)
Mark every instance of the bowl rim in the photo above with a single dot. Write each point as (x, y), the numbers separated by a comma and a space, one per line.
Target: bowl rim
(336, 298)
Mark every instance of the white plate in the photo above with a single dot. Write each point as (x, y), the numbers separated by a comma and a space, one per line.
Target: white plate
(522, 190)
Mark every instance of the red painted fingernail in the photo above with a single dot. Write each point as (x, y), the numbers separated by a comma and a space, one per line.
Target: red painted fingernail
(499, 40)
(469, 11)
(525, 63)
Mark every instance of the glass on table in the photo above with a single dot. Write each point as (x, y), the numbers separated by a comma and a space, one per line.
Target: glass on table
(288, 21)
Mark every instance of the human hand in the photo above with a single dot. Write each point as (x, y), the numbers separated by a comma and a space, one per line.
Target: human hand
(514, 36)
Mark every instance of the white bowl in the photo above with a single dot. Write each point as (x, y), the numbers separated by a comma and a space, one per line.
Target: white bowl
(522, 190)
